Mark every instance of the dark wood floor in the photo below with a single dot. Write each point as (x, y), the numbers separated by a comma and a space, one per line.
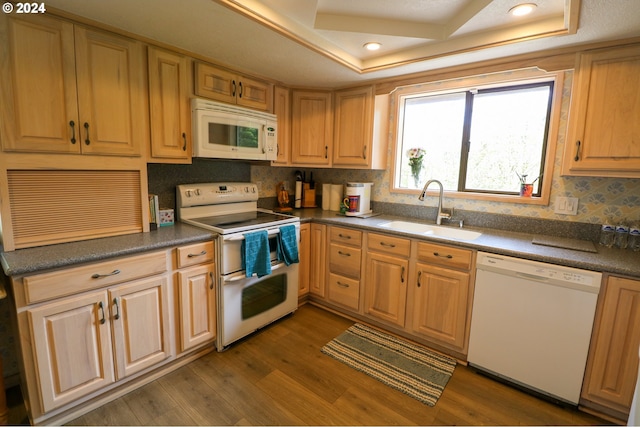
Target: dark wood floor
(278, 376)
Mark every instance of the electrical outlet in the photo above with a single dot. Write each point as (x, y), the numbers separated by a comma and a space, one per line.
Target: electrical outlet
(566, 206)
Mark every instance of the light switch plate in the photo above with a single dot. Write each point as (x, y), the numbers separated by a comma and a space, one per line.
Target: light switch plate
(566, 206)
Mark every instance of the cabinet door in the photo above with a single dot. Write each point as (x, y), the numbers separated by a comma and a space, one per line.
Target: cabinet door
(72, 346)
(254, 93)
(603, 127)
(38, 85)
(311, 128)
(169, 105)
(353, 127)
(305, 259)
(216, 83)
(613, 358)
(282, 109)
(386, 288)
(440, 305)
(318, 261)
(112, 95)
(140, 319)
(197, 302)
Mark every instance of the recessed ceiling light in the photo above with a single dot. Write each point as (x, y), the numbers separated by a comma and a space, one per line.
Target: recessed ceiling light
(372, 46)
(522, 9)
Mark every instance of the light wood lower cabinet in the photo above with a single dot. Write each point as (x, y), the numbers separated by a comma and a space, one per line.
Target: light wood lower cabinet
(386, 277)
(345, 256)
(91, 331)
(305, 255)
(612, 366)
(73, 338)
(196, 295)
(441, 295)
(318, 261)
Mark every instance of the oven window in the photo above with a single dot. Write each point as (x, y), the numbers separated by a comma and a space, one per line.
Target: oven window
(233, 136)
(264, 295)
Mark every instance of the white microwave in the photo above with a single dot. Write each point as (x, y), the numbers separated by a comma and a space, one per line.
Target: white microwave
(223, 131)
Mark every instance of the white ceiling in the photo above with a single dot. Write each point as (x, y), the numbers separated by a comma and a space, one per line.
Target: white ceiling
(320, 42)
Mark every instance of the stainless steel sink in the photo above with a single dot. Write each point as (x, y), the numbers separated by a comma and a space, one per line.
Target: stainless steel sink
(432, 230)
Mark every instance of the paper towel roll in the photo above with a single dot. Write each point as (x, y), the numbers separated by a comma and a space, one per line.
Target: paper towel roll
(298, 197)
(326, 196)
(336, 197)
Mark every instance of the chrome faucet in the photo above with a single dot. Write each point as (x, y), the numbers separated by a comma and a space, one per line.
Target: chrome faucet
(440, 214)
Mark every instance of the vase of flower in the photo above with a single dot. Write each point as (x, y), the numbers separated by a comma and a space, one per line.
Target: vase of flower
(416, 155)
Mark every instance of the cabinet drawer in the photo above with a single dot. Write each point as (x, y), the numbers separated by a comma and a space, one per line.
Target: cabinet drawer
(41, 287)
(344, 291)
(198, 253)
(345, 236)
(445, 255)
(388, 244)
(344, 260)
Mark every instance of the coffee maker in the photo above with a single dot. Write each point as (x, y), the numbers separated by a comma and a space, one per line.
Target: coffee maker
(358, 196)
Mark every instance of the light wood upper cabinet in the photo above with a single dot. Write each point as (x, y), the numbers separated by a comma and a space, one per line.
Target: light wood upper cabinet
(69, 89)
(169, 105)
(603, 137)
(353, 118)
(38, 79)
(282, 110)
(311, 128)
(612, 365)
(227, 86)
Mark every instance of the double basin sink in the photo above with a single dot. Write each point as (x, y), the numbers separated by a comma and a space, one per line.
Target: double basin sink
(431, 230)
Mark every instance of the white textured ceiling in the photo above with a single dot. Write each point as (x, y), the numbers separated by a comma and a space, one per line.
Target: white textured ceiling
(319, 42)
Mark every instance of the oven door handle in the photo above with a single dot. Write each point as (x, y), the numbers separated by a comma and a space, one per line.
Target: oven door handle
(241, 276)
(241, 237)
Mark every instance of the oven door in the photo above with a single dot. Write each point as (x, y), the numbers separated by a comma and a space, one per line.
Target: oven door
(249, 303)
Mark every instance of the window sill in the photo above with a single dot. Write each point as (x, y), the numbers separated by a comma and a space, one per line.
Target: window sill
(501, 198)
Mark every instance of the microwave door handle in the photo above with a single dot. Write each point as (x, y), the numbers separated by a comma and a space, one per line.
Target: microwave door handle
(264, 139)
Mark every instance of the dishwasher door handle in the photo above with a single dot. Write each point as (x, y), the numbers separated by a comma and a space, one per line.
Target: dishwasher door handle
(531, 277)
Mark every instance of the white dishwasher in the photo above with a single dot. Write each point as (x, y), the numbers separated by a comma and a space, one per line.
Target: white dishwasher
(531, 323)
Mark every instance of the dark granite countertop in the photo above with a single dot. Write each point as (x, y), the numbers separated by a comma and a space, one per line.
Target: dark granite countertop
(30, 260)
(516, 244)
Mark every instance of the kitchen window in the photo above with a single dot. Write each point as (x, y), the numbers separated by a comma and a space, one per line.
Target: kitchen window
(480, 141)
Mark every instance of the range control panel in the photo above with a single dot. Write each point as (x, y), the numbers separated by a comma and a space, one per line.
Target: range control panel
(215, 193)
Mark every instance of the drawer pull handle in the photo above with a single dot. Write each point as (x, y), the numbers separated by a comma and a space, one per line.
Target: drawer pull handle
(117, 315)
(233, 88)
(342, 285)
(184, 139)
(442, 256)
(101, 307)
(402, 275)
(195, 255)
(211, 277)
(344, 236)
(344, 253)
(419, 276)
(388, 245)
(99, 276)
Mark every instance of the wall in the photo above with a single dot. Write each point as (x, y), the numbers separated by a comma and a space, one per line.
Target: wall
(599, 198)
